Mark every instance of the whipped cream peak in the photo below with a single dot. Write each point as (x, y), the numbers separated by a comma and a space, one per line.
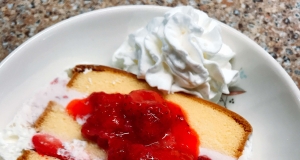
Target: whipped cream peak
(180, 52)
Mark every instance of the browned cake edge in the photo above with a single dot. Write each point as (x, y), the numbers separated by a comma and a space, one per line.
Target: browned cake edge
(239, 119)
(38, 123)
(99, 68)
(25, 155)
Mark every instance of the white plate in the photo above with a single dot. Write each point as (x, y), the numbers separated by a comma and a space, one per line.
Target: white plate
(271, 103)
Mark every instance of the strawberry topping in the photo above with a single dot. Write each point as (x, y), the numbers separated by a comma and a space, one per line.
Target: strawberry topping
(140, 125)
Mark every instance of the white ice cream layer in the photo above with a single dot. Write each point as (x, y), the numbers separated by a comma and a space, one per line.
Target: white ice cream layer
(214, 155)
(182, 51)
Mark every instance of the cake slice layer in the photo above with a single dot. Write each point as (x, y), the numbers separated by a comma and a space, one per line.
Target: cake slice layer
(219, 129)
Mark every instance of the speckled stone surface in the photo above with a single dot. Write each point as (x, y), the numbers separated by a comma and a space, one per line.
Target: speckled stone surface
(273, 24)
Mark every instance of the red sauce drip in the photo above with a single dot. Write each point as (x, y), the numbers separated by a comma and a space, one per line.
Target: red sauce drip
(141, 125)
(203, 158)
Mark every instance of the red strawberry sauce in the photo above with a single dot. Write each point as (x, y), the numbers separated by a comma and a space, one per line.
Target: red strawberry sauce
(140, 125)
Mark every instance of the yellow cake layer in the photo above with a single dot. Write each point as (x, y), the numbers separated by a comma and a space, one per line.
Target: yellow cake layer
(56, 121)
(218, 128)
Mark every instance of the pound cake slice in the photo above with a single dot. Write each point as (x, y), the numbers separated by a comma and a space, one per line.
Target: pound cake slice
(56, 121)
(219, 129)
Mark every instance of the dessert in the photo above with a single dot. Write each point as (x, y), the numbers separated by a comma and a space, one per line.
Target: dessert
(222, 133)
(180, 52)
(213, 127)
(70, 118)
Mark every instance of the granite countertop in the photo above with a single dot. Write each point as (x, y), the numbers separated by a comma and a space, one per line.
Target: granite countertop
(274, 25)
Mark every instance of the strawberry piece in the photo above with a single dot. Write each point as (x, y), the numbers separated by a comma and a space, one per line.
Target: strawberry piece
(46, 144)
(151, 121)
(78, 108)
(141, 96)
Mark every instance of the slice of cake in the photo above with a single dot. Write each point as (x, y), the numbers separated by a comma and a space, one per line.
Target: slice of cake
(219, 129)
(55, 121)
(223, 133)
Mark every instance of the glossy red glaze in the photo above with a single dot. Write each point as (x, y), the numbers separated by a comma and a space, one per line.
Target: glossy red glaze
(79, 108)
(203, 158)
(46, 144)
(141, 125)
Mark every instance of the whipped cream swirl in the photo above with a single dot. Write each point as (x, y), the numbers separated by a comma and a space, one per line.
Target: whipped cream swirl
(180, 52)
